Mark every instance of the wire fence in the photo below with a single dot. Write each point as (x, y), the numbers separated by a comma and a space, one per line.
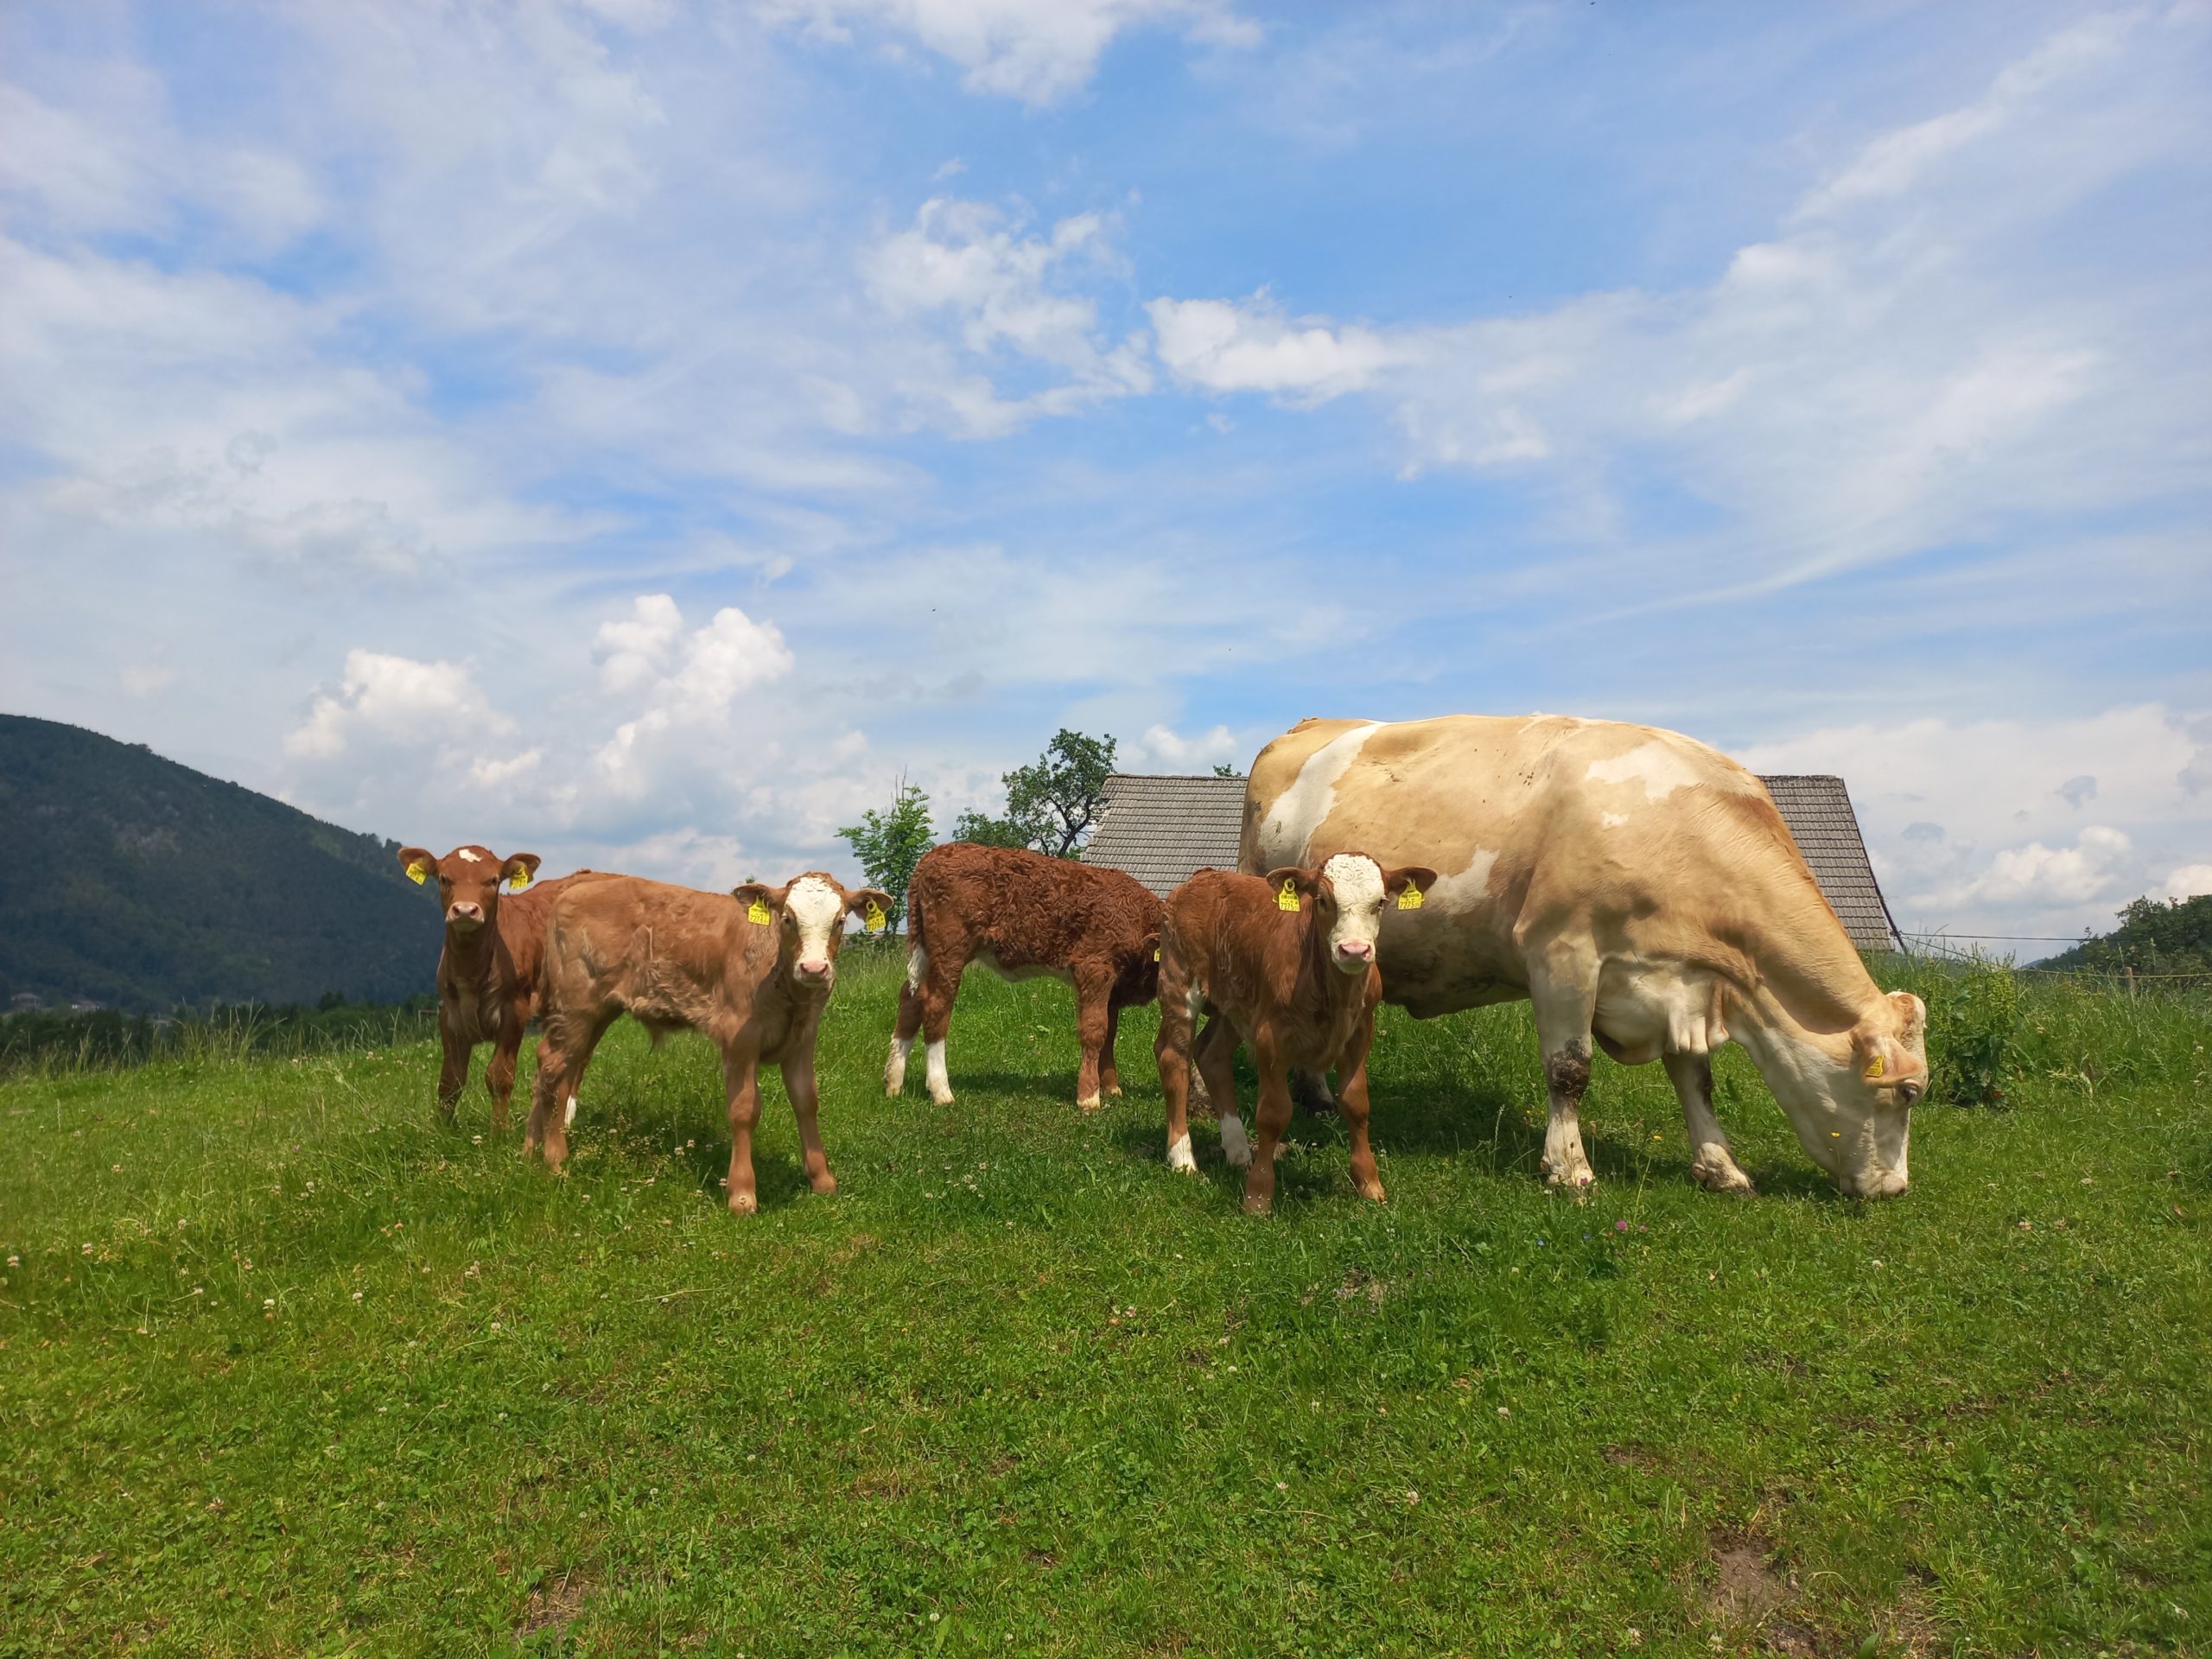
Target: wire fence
(1946, 946)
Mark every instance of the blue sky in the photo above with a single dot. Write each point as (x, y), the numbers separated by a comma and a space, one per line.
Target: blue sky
(638, 432)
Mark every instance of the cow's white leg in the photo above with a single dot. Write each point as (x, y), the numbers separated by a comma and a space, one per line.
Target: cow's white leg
(894, 1068)
(1235, 1147)
(1178, 1155)
(1711, 1164)
(1564, 994)
(940, 1083)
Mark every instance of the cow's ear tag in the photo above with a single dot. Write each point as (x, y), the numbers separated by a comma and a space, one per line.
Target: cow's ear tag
(418, 872)
(519, 880)
(1409, 897)
(1879, 1066)
(758, 911)
(1287, 899)
(872, 919)
(1155, 953)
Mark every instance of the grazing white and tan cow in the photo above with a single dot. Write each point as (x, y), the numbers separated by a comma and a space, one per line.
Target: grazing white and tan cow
(1635, 886)
(488, 970)
(1022, 914)
(752, 970)
(1288, 965)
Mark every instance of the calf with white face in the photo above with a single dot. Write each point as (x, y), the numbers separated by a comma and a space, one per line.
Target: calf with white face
(1286, 964)
(751, 970)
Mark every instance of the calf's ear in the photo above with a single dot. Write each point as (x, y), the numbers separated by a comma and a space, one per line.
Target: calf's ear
(1291, 884)
(763, 903)
(520, 870)
(419, 864)
(872, 905)
(1408, 885)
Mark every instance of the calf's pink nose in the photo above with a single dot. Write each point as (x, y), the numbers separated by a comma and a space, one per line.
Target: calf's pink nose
(467, 913)
(814, 967)
(1356, 950)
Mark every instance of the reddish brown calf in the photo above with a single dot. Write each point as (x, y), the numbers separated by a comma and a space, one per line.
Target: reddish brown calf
(1022, 914)
(1286, 964)
(488, 970)
(751, 970)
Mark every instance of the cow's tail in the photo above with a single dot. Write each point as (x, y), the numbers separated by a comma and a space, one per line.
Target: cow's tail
(917, 955)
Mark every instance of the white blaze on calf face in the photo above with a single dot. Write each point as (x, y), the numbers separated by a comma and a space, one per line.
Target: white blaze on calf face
(1357, 881)
(818, 911)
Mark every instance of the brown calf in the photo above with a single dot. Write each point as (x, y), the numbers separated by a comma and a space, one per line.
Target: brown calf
(751, 970)
(1286, 962)
(488, 970)
(1022, 914)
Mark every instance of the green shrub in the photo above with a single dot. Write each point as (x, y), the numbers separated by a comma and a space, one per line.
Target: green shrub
(1974, 1017)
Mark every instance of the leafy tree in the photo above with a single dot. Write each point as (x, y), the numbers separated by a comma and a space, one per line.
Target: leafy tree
(1052, 804)
(2174, 937)
(987, 831)
(889, 844)
(1222, 769)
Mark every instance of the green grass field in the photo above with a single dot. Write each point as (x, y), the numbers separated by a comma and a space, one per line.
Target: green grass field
(286, 1367)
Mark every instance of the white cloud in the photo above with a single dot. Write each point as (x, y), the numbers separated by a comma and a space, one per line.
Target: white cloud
(2187, 882)
(1035, 50)
(1252, 347)
(962, 258)
(1161, 745)
(1915, 357)
(390, 700)
(2041, 878)
(1975, 826)
(689, 681)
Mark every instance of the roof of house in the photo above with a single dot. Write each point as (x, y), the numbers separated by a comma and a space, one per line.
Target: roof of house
(1161, 828)
(1817, 809)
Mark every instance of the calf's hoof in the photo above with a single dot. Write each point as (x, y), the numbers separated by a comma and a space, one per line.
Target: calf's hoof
(1256, 1205)
(1371, 1191)
(1234, 1145)
(1113, 1089)
(1180, 1158)
(1087, 1103)
(743, 1204)
(825, 1183)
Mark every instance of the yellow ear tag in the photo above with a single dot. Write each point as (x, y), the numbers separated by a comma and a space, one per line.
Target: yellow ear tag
(1287, 899)
(1409, 898)
(519, 880)
(757, 911)
(418, 872)
(872, 919)
(1879, 1068)
(1155, 953)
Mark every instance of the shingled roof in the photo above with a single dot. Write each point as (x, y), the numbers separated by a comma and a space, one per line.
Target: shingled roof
(1160, 829)
(1817, 809)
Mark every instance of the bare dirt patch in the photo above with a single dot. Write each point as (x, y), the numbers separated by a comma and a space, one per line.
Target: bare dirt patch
(555, 1604)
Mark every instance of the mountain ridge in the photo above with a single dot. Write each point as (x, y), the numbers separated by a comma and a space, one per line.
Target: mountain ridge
(135, 881)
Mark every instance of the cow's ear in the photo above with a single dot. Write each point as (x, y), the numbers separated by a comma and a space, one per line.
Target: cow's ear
(1409, 884)
(1870, 1055)
(872, 905)
(1912, 1015)
(419, 864)
(1291, 884)
(520, 870)
(763, 903)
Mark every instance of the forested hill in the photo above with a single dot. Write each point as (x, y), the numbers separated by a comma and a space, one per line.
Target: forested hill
(141, 884)
(2173, 938)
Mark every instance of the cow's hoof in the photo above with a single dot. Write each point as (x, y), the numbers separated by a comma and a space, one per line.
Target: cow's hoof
(1371, 1191)
(1576, 1181)
(825, 1183)
(1721, 1178)
(743, 1204)
(1236, 1146)
(944, 1099)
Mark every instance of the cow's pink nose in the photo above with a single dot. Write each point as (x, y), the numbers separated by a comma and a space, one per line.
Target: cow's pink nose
(814, 967)
(1355, 949)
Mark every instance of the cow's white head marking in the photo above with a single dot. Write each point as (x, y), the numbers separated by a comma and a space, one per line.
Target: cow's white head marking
(1850, 1096)
(1349, 894)
(817, 911)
